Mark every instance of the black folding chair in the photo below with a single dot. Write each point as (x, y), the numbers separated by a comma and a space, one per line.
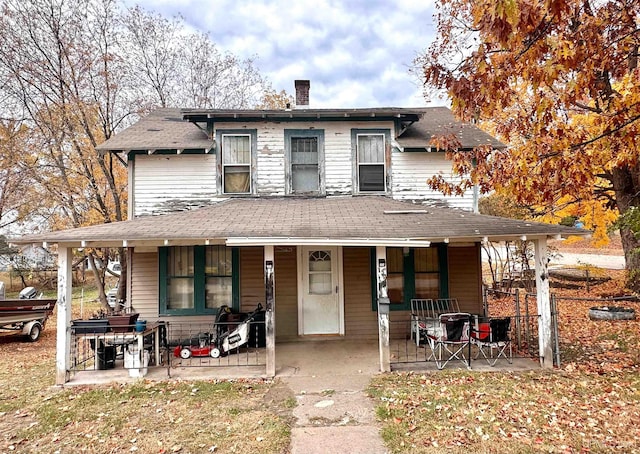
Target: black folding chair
(452, 341)
(496, 339)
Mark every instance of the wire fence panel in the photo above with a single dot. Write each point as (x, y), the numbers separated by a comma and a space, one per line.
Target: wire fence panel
(226, 344)
(168, 344)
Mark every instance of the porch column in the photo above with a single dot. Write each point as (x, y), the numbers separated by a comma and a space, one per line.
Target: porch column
(63, 331)
(269, 320)
(544, 304)
(383, 309)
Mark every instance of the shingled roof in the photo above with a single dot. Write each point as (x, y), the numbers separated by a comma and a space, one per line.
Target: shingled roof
(162, 129)
(174, 129)
(374, 220)
(441, 121)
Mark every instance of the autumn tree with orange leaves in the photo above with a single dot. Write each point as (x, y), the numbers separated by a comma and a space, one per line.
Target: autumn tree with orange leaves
(559, 82)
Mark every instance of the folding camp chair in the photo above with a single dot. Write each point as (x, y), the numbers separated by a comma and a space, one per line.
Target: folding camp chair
(452, 341)
(491, 336)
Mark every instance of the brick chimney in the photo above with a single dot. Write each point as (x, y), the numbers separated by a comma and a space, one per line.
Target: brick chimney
(302, 93)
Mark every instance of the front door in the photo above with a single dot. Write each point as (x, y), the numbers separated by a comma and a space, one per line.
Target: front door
(320, 307)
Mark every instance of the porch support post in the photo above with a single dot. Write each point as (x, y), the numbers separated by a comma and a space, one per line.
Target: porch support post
(270, 323)
(383, 309)
(63, 335)
(544, 304)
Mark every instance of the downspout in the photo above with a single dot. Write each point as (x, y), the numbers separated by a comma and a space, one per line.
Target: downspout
(476, 189)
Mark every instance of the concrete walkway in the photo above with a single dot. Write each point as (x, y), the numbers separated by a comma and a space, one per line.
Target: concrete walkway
(333, 412)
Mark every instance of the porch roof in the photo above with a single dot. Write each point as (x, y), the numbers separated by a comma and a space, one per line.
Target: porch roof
(349, 221)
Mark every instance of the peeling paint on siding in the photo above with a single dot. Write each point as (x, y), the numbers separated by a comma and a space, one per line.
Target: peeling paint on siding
(165, 183)
(168, 183)
(410, 174)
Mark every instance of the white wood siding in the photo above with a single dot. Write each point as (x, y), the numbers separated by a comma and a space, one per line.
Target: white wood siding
(165, 183)
(270, 160)
(411, 171)
(337, 152)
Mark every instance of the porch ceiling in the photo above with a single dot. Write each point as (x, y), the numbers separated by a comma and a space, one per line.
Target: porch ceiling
(348, 221)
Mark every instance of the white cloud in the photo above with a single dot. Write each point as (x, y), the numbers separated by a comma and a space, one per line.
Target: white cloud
(356, 53)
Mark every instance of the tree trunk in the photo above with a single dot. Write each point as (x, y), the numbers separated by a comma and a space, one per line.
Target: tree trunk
(626, 184)
(122, 281)
(102, 297)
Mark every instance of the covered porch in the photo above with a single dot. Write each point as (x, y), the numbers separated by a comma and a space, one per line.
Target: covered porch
(280, 237)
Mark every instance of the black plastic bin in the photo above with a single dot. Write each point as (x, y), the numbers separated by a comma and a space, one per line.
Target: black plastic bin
(106, 356)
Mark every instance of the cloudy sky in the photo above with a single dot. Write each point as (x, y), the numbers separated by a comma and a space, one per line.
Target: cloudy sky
(356, 53)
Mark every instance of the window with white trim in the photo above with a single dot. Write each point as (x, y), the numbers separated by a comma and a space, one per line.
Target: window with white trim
(304, 161)
(236, 164)
(371, 168)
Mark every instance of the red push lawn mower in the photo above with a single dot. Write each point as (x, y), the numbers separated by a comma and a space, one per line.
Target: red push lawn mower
(226, 338)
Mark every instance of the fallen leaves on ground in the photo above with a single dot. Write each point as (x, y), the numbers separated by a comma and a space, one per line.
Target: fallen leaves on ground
(147, 417)
(590, 404)
(509, 412)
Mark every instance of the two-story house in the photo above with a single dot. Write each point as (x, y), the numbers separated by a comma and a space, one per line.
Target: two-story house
(315, 213)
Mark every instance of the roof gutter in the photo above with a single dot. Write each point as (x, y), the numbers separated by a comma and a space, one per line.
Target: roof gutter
(289, 241)
(390, 242)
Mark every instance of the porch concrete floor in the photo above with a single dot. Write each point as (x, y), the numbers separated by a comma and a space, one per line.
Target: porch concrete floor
(302, 361)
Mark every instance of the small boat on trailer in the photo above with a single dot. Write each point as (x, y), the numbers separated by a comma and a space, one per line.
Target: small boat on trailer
(26, 314)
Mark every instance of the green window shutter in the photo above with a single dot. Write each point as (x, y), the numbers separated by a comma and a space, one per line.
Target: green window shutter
(443, 266)
(409, 280)
(235, 276)
(163, 254)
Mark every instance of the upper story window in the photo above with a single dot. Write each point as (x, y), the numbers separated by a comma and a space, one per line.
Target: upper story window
(304, 164)
(236, 164)
(305, 161)
(371, 174)
(370, 158)
(236, 159)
